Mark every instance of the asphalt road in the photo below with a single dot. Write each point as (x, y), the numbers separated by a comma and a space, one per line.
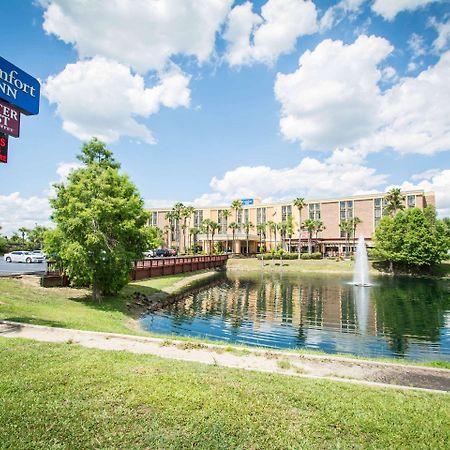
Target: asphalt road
(12, 268)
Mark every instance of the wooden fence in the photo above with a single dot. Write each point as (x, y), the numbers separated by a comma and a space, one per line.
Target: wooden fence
(169, 266)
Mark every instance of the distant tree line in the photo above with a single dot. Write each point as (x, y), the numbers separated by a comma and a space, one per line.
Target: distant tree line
(23, 239)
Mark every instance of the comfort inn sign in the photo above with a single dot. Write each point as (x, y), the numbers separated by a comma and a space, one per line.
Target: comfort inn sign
(18, 88)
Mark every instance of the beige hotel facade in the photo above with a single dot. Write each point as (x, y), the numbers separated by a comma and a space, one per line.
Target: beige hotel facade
(332, 211)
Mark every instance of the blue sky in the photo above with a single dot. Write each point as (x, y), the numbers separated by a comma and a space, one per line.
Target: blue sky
(209, 104)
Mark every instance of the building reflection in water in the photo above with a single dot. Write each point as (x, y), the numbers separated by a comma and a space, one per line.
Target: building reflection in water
(316, 312)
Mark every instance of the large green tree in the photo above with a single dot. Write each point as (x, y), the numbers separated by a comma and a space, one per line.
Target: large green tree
(413, 238)
(100, 223)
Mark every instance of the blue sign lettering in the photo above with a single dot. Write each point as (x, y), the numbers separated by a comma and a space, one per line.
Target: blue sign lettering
(247, 201)
(19, 88)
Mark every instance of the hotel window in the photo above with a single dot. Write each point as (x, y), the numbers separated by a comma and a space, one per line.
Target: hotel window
(378, 210)
(345, 212)
(223, 222)
(411, 201)
(260, 215)
(239, 218)
(198, 218)
(314, 211)
(153, 219)
(286, 211)
(246, 215)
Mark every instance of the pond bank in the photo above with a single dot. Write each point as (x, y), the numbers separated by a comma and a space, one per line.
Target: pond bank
(311, 366)
(323, 266)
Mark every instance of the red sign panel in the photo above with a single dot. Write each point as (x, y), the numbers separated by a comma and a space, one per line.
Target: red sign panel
(9, 119)
(3, 148)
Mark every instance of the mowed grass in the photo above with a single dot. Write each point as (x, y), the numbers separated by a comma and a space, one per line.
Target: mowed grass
(293, 265)
(65, 396)
(74, 308)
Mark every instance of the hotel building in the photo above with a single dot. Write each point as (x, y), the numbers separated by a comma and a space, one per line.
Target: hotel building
(330, 241)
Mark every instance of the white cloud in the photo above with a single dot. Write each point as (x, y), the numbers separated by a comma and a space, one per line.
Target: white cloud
(143, 34)
(101, 97)
(415, 113)
(63, 169)
(443, 31)
(416, 44)
(337, 13)
(17, 211)
(332, 99)
(263, 38)
(343, 173)
(436, 180)
(390, 8)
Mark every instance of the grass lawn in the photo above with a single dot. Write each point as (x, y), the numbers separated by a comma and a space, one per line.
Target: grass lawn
(55, 396)
(74, 308)
(321, 265)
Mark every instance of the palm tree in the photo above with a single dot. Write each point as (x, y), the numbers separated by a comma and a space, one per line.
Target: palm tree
(233, 227)
(247, 227)
(23, 231)
(310, 226)
(186, 213)
(194, 231)
(214, 227)
(347, 227)
(299, 203)
(206, 227)
(282, 226)
(167, 231)
(269, 226)
(290, 229)
(394, 201)
(225, 214)
(355, 222)
(319, 227)
(170, 217)
(273, 227)
(236, 205)
(261, 229)
(178, 214)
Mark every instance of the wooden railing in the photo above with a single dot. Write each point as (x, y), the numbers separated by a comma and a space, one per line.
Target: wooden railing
(169, 266)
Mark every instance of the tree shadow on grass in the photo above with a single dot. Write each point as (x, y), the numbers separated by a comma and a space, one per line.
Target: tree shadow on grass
(121, 302)
(36, 321)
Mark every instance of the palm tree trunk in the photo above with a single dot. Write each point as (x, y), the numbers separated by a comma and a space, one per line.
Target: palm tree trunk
(309, 243)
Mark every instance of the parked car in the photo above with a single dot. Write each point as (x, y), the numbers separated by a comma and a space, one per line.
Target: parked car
(38, 253)
(21, 256)
(172, 252)
(149, 254)
(159, 252)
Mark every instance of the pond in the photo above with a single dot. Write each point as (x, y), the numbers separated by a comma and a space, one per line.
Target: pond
(397, 317)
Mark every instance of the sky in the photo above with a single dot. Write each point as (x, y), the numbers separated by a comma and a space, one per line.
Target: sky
(207, 101)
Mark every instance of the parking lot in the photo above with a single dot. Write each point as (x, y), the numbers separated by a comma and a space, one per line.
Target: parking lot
(13, 268)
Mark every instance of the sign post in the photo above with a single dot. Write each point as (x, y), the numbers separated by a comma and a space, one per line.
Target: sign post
(3, 148)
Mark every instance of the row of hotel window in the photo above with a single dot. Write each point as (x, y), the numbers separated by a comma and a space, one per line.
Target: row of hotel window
(345, 213)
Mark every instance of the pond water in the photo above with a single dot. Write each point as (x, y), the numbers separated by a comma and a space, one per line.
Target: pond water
(401, 317)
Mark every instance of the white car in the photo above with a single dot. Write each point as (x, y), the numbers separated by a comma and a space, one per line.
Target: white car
(21, 256)
(38, 253)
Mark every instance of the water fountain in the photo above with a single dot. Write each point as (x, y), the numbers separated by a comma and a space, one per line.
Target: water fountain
(361, 270)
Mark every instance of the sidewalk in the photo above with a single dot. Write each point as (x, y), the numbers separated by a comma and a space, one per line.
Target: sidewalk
(371, 373)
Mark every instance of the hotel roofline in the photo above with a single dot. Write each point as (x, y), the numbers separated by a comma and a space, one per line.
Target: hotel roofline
(257, 201)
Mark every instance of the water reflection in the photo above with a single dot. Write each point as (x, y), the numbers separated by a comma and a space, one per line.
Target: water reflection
(401, 317)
